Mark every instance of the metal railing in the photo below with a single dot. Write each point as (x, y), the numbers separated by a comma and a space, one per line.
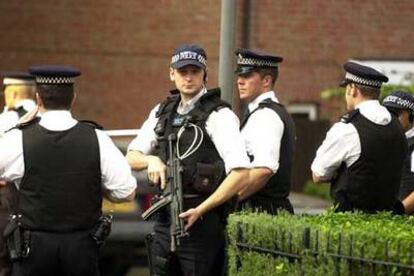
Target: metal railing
(347, 253)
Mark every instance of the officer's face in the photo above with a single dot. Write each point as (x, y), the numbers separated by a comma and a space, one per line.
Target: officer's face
(250, 86)
(404, 119)
(188, 79)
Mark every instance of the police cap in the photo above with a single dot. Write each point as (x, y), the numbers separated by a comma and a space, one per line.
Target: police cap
(189, 54)
(249, 61)
(17, 78)
(363, 75)
(400, 100)
(54, 74)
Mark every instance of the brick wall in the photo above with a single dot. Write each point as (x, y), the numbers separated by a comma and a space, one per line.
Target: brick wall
(123, 47)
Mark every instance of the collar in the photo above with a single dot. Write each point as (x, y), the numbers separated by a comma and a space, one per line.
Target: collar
(266, 95)
(57, 120)
(185, 108)
(367, 104)
(374, 111)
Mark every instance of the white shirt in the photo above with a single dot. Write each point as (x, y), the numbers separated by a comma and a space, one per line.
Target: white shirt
(342, 142)
(409, 134)
(263, 133)
(116, 173)
(222, 126)
(9, 118)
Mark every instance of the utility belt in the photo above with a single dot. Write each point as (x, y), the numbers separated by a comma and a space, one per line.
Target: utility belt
(18, 237)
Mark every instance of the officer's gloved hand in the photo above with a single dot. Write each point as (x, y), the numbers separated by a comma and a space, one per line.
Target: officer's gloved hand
(398, 208)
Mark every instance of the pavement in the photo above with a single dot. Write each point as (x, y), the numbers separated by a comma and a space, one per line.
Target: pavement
(308, 204)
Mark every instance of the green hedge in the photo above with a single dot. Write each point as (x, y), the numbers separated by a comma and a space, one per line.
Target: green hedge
(323, 244)
(339, 92)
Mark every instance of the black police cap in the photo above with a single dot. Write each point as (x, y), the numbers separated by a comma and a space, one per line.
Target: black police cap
(400, 100)
(363, 75)
(54, 74)
(248, 61)
(189, 54)
(17, 78)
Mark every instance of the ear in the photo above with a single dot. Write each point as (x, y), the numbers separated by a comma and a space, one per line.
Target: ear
(267, 81)
(354, 90)
(172, 78)
(75, 95)
(39, 100)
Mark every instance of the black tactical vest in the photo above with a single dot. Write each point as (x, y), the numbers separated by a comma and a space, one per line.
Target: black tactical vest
(275, 193)
(205, 166)
(372, 183)
(20, 111)
(407, 179)
(61, 188)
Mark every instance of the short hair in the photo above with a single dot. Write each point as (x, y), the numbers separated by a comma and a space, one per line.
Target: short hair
(59, 96)
(368, 91)
(272, 72)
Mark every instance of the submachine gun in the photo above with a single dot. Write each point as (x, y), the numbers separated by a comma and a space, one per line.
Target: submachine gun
(172, 197)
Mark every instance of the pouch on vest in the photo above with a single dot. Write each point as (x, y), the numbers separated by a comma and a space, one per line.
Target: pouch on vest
(207, 177)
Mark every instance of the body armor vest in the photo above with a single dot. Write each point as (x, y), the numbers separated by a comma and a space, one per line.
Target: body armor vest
(407, 179)
(372, 182)
(61, 188)
(275, 193)
(204, 169)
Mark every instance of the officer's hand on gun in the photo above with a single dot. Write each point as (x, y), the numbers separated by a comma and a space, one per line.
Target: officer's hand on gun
(156, 171)
(191, 216)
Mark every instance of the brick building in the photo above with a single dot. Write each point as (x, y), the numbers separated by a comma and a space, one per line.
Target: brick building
(123, 47)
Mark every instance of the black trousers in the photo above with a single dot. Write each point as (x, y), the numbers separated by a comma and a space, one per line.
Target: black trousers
(201, 253)
(52, 254)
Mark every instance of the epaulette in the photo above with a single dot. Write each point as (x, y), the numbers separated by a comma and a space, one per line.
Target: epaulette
(347, 118)
(267, 102)
(168, 104)
(24, 124)
(92, 124)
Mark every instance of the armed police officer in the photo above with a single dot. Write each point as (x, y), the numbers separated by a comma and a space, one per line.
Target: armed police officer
(18, 89)
(268, 131)
(401, 104)
(362, 155)
(209, 146)
(62, 168)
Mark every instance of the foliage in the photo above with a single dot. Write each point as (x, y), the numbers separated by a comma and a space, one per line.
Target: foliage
(338, 93)
(380, 237)
(321, 190)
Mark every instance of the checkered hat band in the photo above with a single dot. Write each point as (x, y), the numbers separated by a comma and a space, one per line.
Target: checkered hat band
(54, 80)
(359, 80)
(399, 101)
(256, 62)
(189, 55)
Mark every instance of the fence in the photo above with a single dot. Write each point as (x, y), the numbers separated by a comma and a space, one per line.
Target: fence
(309, 251)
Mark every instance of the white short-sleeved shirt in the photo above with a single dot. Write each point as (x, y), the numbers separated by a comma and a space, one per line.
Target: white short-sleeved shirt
(342, 142)
(10, 118)
(409, 134)
(116, 173)
(222, 126)
(263, 133)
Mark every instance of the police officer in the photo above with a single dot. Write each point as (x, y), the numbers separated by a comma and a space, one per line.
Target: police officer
(268, 131)
(362, 155)
(62, 168)
(207, 128)
(401, 104)
(18, 88)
